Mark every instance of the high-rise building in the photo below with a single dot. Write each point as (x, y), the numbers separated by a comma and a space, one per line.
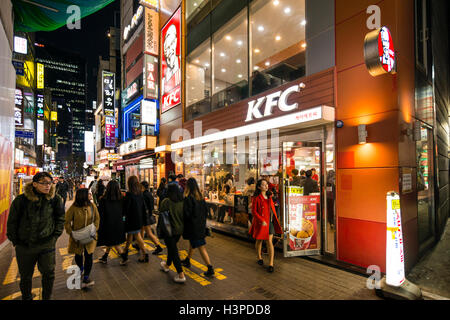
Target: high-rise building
(65, 76)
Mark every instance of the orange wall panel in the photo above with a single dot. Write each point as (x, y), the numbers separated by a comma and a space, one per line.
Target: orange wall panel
(361, 193)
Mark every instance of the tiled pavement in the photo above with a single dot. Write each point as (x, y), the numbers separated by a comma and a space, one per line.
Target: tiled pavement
(238, 277)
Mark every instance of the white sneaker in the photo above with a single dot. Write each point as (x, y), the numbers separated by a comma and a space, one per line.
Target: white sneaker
(164, 267)
(179, 280)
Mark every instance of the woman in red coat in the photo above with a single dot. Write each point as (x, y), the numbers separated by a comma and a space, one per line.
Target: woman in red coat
(265, 221)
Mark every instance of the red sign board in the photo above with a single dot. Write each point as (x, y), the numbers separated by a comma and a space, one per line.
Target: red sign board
(171, 63)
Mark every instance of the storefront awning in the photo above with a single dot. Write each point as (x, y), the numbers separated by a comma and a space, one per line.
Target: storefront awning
(303, 119)
(49, 15)
(133, 160)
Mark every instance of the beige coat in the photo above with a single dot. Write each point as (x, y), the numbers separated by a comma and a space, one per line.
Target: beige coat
(76, 220)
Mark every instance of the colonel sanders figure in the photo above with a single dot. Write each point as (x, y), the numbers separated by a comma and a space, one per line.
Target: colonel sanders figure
(172, 77)
(388, 55)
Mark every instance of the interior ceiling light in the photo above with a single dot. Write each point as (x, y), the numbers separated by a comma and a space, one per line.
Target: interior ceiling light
(276, 2)
(287, 10)
(304, 45)
(238, 61)
(303, 23)
(224, 70)
(228, 38)
(257, 51)
(267, 63)
(222, 54)
(261, 28)
(278, 38)
(239, 43)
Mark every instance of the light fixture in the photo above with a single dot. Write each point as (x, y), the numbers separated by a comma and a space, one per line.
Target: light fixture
(224, 70)
(197, 61)
(238, 61)
(362, 134)
(303, 23)
(207, 64)
(222, 54)
(239, 75)
(195, 4)
(228, 38)
(267, 63)
(304, 45)
(276, 2)
(257, 51)
(261, 28)
(256, 68)
(278, 38)
(287, 10)
(239, 43)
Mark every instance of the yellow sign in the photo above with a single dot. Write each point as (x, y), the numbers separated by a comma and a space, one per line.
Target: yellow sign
(395, 204)
(54, 116)
(150, 3)
(40, 76)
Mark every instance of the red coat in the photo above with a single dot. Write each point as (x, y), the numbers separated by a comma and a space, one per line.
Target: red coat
(261, 213)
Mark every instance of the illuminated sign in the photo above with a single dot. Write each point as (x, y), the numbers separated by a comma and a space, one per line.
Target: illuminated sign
(88, 141)
(40, 132)
(150, 77)
(139, 144)
(54, 116)
(151, 35)
(40, 76)
(20, 45)
(134, 23)
(109, 88)
(132, 90)
(171, 63)
(150, 3)
(379, 52)
(113, 156)
(395, 257)
(110, 132)
(148, 112)
(278, 98)
(40, 105)
(18, 108)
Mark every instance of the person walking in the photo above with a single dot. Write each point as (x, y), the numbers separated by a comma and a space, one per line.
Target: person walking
(80, 214)
(70, 184)
(174, 205)
(134, 212)
(111, 232)
(62, 188)
(194, 218)
(265, 221)
(149, 217)
(161, 192)
(296, 179)
(310, 185)
(35, 222)
(100, 190)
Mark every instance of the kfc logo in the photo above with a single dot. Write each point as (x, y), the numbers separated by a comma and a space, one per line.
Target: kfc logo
(379, 53)
(386, 49)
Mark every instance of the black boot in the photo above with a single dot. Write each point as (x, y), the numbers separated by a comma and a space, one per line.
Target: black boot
(104, 259)
(186, 263)
(210, 271)
(158, 250)
(124, 257)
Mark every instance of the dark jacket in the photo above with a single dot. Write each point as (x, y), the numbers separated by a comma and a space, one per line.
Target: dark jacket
(134, 211)
(194, 217)
(100, 190)
(150, 204)
(35, 219)
(112, 228)
(62, 188)
(309, 186)
(176, 215)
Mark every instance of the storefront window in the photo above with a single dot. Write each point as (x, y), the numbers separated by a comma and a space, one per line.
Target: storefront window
(198, 81)
(230, 62)
(277, 43)
(193, 7)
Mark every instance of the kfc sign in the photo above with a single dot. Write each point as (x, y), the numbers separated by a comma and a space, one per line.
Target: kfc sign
(379, 52)
(278, 98)
(171, 63)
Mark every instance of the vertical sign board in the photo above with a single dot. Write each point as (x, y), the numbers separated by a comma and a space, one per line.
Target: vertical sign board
(6, 162)
(40, 132)
(110, 132)
(40, 106)
(40, 76)
(151, 37)
(171, 62)
(18, 108)
(109, 87)
(148, 112)
(395, 257)
(150, 77)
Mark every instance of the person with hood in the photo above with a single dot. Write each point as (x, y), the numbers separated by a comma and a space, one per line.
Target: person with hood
(150, 205)
(62, 188)
(35, 222)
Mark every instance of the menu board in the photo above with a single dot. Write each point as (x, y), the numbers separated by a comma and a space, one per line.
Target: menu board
(302, 211)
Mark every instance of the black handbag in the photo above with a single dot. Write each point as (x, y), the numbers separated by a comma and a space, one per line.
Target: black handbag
(164, 228)
(151, 219)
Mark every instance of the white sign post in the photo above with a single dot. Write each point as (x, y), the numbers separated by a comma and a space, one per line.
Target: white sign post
(394, 285)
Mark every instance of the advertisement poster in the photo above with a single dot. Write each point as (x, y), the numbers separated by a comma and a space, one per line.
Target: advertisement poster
(151, 32)
(6, 156)
(302, 212)
(18, 108)
(110, 132)
(171, 62)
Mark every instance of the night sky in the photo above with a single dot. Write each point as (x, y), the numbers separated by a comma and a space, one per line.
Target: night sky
(90, 41)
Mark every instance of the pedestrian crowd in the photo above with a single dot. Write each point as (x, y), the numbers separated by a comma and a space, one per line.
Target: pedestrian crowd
(104, 216)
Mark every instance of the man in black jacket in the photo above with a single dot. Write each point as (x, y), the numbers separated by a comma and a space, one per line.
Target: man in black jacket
(62, 188)
(35, 222)
(309, 185)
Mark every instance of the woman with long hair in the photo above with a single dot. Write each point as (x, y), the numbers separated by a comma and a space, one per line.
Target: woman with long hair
(195, 212)
(112, 231)
(174, 205)
(134, 212)
(265, 221)
(161, 192)
(80, 214)
(150, 204)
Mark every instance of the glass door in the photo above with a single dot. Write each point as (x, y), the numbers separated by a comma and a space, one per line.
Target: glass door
(302, 163)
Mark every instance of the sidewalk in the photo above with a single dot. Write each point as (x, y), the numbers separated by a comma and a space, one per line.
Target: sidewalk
(432, 273)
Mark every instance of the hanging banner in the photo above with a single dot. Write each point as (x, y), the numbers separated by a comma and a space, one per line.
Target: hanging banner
(110, 132)
(150, 77)
(151, 36)
(302, 212)
(18, 108)
(395, 257)
(171, 63)
(109, 87)
(40, 76)
(40, 106)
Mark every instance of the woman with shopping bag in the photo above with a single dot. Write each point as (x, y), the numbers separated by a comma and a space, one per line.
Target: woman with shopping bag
(82, 222)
